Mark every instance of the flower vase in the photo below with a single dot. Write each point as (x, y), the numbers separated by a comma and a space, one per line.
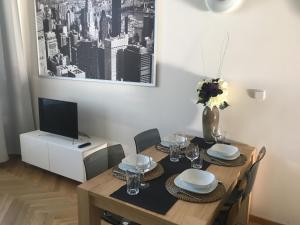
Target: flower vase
(210, 122)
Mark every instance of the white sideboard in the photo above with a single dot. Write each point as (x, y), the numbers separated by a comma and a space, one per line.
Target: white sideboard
(60, 155)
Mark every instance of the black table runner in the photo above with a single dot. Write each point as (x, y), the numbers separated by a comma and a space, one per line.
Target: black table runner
(156, 198)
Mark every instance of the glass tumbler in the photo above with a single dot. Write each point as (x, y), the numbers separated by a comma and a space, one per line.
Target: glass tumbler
(197, 163)
(132, 182)
(174, 153)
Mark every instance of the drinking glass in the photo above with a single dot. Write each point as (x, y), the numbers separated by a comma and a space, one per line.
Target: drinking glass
(143, 163)
(174, 153)
(197, 163)
(192, 152)
(132, 182)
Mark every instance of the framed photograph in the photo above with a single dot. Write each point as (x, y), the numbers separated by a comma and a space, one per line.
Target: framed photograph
(97, 40)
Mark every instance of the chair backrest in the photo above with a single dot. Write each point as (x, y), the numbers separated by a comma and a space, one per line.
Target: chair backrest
(147, 139)
(92, 162)
(115, 155)
(251, 173)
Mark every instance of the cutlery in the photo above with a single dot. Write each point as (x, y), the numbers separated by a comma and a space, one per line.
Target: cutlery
(188, 194)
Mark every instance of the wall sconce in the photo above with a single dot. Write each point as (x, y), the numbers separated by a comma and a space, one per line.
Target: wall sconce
(257, 94)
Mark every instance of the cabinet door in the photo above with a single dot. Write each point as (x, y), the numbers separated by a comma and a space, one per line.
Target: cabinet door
(34, 151)
(66, 162)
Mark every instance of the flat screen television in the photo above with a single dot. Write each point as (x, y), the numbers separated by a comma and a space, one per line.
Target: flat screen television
(58, 117)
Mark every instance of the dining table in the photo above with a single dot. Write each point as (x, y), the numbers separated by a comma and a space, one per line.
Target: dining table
(94, 197)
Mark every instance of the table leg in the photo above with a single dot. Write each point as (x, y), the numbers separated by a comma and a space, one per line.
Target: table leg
(88, 214)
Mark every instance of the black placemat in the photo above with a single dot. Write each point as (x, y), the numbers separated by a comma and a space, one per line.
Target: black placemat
(202, 143)
(156, 198)
(205, 145)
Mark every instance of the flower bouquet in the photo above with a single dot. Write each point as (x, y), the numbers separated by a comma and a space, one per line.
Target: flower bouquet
(213, 94)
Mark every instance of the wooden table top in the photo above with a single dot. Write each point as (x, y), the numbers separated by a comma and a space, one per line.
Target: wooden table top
(182, 213)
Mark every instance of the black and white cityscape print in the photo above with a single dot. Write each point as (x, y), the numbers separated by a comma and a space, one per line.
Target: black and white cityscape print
(97, 39)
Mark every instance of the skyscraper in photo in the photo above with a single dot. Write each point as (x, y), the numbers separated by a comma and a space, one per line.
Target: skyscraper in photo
(74, 55)
(48, 24)
(59, 28)
(103, 33)
(130, 22)
(41, 45)
(90, 59)
(116, 18)
(137, 64)
(62, 41)
(51, 44)
(68, 17)
(38, 5)
(112, 47)
(62, 10)
(148, 27)
(83, 53)
(126, 25)
(88, 18)
(74, 38)
(39, 21)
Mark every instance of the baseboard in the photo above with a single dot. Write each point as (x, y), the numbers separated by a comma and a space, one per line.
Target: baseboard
(262, 221)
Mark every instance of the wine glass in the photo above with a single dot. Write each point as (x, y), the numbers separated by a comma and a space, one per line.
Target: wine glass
(192, 152)
(143, 163)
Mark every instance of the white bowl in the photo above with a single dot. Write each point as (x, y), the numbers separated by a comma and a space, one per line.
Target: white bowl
(181, 184)
(126, 167)
(198, 178)
(224, 150)
(131, 160)
(174, 139)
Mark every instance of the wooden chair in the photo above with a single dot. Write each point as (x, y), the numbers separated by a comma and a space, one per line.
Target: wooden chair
(229, 212)
(147, 139)
(93, 168)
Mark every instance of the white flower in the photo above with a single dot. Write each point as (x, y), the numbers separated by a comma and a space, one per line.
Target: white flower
(223, 85)
(220, 101)
(217, 101)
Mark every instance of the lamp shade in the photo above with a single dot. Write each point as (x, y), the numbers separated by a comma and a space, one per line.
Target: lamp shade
(220, 6)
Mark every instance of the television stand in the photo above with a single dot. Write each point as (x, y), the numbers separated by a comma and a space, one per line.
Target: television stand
(59, 154)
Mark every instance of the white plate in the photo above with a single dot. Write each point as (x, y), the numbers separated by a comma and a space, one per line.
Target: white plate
(225, 150)
(216, 155)
(198, 178)
(126, 167)
(181, 184)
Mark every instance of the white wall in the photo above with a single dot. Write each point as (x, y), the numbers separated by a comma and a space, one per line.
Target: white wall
(263, 53)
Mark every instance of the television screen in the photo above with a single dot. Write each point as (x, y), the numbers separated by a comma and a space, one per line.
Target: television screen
(58, 117)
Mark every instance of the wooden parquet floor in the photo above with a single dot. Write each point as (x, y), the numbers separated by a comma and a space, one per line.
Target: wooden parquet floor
(27, 199)
(32, 196)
